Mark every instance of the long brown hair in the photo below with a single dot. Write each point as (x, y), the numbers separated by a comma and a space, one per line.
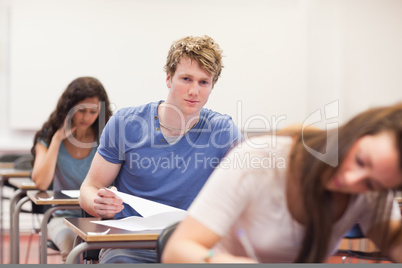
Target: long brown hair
(78, 90)
(315, 173)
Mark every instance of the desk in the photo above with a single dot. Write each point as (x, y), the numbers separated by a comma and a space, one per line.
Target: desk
(5, 175)
(58, 200)
(6, 164)
(22, 185)
(115, 238)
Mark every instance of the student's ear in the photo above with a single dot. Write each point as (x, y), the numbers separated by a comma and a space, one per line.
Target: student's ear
(168, 80)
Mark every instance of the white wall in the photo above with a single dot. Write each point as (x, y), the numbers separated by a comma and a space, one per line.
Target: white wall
(282, 57)
(10, 140)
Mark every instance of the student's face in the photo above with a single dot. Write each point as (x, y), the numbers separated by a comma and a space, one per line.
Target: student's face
(190, 87)
(371, 164)
(85, 113)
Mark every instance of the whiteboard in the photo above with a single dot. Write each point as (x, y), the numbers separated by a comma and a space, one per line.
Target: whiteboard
(124, 44)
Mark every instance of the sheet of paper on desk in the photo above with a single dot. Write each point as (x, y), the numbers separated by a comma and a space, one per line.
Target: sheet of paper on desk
(155, 215)
(155, 222)
(144, 207)
(71, 193)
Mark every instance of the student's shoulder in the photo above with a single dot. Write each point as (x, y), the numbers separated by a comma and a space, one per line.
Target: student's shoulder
(215, 118)
(136, 110)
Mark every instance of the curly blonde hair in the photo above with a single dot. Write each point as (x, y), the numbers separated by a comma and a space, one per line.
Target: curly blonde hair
(202, 49)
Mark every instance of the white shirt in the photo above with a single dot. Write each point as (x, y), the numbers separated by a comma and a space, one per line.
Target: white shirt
(247, 191)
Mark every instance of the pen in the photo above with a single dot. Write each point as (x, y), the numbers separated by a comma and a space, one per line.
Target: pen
(241, 234)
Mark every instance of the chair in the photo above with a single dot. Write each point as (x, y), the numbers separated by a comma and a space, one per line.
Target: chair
(36, 211)
(92, 255)
(162, 240)
(24, 162)
(356, 233)
(9, 158)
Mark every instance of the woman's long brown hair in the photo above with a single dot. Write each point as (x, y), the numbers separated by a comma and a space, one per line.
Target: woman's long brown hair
(317, 200)
(78, 90)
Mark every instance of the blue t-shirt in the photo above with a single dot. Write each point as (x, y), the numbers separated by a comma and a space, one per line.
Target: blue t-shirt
(70, 173)
(156, 170)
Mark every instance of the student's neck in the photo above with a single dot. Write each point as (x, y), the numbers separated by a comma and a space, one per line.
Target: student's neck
(174, 124)
(82, 135)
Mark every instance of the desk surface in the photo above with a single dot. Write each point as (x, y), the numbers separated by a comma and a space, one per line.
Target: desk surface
(22, 183)
(6, 164)
(51, 198)
(81, 227)
(11, 172)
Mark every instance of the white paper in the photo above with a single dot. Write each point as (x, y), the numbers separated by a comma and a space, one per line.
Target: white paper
(71, 193)
(144, 207)
(137, 223)
(156, 216)
(28, 183)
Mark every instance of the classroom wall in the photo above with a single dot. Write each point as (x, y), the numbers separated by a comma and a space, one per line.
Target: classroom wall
(284, 59)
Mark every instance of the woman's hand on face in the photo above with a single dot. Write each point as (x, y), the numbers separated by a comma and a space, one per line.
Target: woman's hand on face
(64, 131)
(107, 204)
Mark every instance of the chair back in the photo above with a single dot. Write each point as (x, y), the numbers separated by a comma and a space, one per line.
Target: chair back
(91, 255)
(24, 162)
(162, 240)
(9, 157)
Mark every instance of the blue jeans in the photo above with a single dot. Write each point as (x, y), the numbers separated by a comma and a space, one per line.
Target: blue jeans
(127, 255)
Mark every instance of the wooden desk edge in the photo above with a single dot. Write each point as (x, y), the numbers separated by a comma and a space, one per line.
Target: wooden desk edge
(21, 183)
(110, 237)
(14, 173)
(32, 195)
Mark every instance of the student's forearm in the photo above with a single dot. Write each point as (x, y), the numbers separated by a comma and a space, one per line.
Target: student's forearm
(45, 166)
(190, 252)
(86, 199)
(395, 252)
(184, 252)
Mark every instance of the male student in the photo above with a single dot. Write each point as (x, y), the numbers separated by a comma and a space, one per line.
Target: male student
(162, 151)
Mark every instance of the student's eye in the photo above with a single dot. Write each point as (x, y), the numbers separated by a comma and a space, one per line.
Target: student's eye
(359, 161)
(94, 112)
(205, 83)
(186, 79)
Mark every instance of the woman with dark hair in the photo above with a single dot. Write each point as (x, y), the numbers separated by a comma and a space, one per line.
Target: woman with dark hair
(295, 199)
(64, 147)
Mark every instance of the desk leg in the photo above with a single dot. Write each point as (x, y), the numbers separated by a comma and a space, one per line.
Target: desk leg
(43, 228)
(73, 256)
(16, 196)
(15, 251)
(77, 241)
(1, 220)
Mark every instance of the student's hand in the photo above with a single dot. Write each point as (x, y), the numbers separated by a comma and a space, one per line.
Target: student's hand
(107, 204)
(64, 131)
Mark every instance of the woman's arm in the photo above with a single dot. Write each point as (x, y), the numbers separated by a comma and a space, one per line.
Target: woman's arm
(393, 251)
(191, 242)
(45, 161)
